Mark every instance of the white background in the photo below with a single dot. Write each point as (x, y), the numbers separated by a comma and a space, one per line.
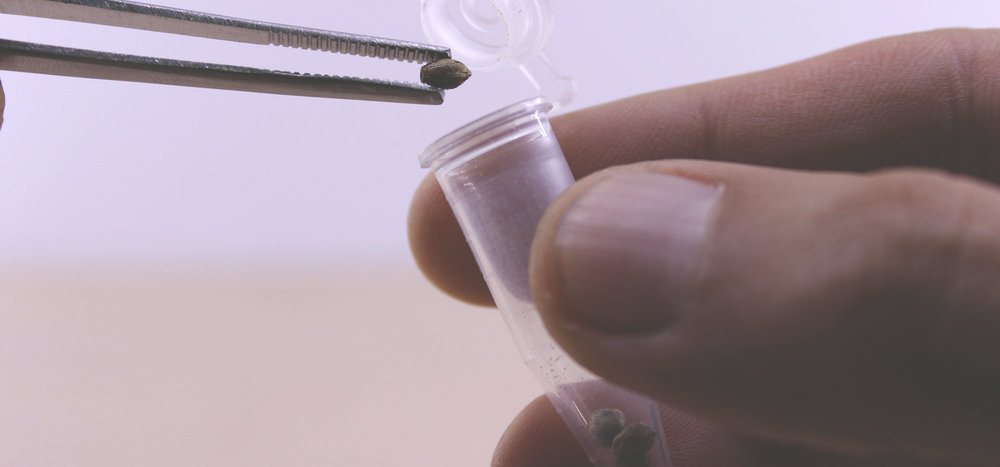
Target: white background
(216, 278)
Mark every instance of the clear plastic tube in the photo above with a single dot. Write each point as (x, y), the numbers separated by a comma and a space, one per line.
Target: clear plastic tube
(499, 174)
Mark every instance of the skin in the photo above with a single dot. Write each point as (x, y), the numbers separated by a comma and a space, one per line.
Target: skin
(864, 179)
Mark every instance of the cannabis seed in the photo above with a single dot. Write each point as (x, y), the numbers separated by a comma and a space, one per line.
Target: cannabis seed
(445, 73)
(631, 446)
(605, 424)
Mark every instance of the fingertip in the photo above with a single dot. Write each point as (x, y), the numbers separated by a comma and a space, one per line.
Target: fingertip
(595, 274)
(538, 438)
(439, 247)
(545, 274)
(543, 267)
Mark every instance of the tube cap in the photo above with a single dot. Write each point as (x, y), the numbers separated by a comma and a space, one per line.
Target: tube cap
(489, 34)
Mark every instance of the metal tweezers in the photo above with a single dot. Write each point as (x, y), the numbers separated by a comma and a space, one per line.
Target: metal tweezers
(52, 60)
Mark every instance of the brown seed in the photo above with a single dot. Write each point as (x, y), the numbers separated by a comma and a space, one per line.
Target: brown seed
(631, 446)
(445, 73)
(605, 424)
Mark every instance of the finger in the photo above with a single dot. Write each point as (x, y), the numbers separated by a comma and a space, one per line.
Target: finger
(921, 99)
(439, 246)
(2, 104)
(847, 312)
(925, 99)
(538, 438)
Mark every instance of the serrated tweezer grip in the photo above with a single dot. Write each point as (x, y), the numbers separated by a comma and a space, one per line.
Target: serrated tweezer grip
(39, 58)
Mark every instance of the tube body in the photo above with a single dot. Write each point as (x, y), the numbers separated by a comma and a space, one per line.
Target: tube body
(499, 174)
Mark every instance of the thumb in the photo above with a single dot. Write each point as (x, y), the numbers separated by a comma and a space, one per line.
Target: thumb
(854, 313)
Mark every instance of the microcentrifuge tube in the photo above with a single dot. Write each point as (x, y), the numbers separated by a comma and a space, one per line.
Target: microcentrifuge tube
(499, 174)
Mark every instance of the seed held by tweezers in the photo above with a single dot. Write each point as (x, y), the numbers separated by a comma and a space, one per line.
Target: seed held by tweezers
(605, 424)
(631, 446)
(445, 73)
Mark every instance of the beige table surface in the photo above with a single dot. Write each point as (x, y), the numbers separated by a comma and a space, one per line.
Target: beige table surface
(260, 366)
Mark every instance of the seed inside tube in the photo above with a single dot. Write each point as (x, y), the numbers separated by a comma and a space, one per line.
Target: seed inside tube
(605, 424)
(631, 446)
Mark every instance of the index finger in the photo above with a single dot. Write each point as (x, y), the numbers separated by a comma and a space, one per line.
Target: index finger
(927, 99)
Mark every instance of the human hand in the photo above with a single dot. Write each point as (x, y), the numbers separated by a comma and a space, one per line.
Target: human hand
(800, 300)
